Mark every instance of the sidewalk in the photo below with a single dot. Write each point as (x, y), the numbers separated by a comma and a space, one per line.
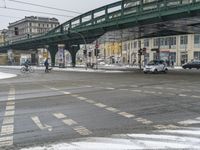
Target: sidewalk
(100, 68)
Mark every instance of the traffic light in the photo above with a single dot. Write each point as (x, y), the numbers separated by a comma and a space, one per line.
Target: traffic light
(140, 52)
(90, 54)
(85, 52)
(96, 52)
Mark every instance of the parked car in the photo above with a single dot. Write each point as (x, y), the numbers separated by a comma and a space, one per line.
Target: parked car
(156, 66)
(192, 64)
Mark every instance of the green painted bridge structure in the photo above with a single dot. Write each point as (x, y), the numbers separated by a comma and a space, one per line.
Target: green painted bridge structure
(145, 19)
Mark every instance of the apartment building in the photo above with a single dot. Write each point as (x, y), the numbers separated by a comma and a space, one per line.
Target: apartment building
(29, 27)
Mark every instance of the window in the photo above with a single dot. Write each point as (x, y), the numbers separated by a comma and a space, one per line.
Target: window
(155, 42)
(146, 42)
(135, 44)
(30, 24)
(196, 55)
(197, 41)
(183, 42)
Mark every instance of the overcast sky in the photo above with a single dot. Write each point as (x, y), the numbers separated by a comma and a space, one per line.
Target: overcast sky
(8, 15)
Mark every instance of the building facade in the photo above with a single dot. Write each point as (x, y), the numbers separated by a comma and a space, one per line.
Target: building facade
(29, 27)
(175, 50)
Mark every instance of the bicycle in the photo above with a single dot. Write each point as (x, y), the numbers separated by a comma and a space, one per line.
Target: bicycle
(29, 69)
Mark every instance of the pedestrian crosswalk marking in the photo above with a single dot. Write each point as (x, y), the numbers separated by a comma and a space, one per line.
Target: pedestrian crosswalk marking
(90, 101)
(112, 109)
(127, 115)
(100, 105)
(59, 115)
(143, 121)
(7, 130)
(79, 129)
(9, 113)
(10, 107)
(82, 130)
(81, 98)
(8, 120)
(69, 122)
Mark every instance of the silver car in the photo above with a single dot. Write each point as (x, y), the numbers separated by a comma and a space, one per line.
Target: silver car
(156, 66)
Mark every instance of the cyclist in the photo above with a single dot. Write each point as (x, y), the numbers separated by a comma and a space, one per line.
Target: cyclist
(26, 64)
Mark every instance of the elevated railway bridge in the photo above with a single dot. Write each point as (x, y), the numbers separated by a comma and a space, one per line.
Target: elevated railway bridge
(142, 18)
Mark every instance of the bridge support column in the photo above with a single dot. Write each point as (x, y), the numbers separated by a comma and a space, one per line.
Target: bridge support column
(53, 50)
(73, 49)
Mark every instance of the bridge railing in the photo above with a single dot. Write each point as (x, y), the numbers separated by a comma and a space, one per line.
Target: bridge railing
(117, 10)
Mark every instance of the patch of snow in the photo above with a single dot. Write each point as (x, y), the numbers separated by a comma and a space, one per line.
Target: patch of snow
(6, 75)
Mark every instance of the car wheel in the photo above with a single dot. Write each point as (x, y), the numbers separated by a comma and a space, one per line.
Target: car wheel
(155, 71)
(145, 72)
(166, 70)
(190, 68)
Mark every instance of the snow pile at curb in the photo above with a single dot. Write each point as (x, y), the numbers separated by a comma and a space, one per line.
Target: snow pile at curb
(6, 75)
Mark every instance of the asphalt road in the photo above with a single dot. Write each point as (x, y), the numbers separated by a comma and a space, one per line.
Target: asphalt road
(39, 108)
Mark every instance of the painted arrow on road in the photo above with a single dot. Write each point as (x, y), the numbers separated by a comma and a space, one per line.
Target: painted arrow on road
(37, 121)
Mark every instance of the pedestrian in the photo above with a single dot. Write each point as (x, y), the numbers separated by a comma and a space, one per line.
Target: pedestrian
(46, 64)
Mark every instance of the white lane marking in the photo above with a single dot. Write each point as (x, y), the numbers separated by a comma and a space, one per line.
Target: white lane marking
(182, 95)
(82, 130)
(11, 98)
(124, 89)
(79, 129)
(11, 103)
(149, 92)
(81, 98)
(6, 138)
(90, 101)
(109, 88)
(10, 107)
(136, 90)
(170, 88)
(67, 93)
(157, 87)
(160, 93)
(190, 121)
(112, 109)
(10, 113)
(159, 126)
(55, 89)
(186, 90)
(7, 129)
(8, 120)
(89, 86)
(69, 122)
(195, 96)
(74, 95)
(100, 105)
(127, 115)
(143, 121)
(60, 115)
(134, 86)
(37, 121)
(4, 143)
